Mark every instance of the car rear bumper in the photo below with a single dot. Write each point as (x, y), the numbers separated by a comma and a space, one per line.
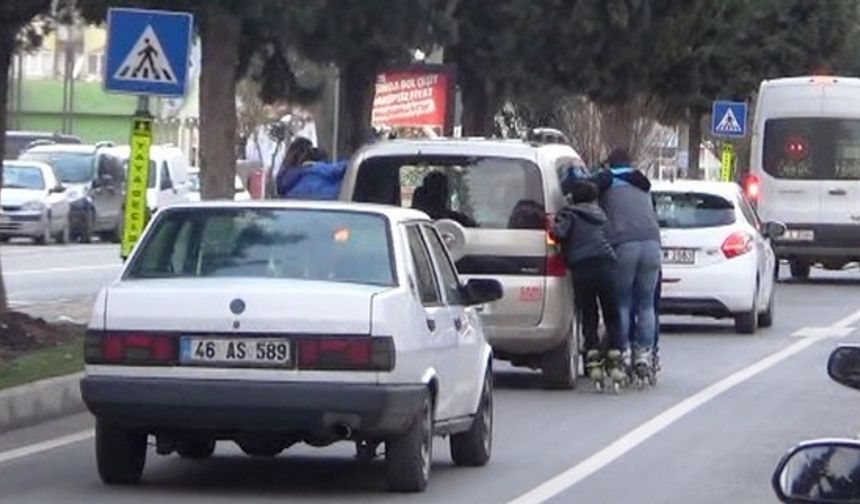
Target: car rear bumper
(831, 241)
(231, 406)
(716, 290)
(701, 307)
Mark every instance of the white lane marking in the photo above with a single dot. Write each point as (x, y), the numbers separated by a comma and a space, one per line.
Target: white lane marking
(847, 321)
(61, 270)
(639, 435)
(824, 332)
(51, 444)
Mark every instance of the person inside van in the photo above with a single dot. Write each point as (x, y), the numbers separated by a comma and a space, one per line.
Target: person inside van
(434, 199)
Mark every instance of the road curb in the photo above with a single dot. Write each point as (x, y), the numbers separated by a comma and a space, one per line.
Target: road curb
(40, 401)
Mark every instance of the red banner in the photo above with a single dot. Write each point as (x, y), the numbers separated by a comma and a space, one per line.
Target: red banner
(412, 98)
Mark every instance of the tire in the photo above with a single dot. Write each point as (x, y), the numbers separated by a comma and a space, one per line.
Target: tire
(747, 322)
(408, 457)
(765, 318)
(560, 367)
(85, 233)
(45, 237)
(474, 447)
(800, 270)
(120, 454)
(196, 449)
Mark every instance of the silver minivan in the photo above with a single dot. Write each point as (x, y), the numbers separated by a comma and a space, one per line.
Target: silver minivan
(492, 200)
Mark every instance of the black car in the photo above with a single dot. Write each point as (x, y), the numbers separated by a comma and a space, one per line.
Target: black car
(95, 181)
(19, 141)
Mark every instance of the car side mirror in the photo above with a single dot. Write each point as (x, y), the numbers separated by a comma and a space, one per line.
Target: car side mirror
(774, 229)
(58, 189)
(103, 180)
(844, 366)
(482, 290)
(824, 471)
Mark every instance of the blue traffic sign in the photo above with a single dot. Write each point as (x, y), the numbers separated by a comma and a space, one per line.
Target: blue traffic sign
(729, 119)
(148, 52)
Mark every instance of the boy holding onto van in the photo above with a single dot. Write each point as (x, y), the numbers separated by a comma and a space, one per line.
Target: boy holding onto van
(581, 229)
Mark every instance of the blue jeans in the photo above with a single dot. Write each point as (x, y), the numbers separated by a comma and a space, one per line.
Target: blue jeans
(632, 315)
(636, 277)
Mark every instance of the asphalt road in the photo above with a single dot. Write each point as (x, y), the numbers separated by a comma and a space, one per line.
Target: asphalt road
(57, 272)
(726, 408)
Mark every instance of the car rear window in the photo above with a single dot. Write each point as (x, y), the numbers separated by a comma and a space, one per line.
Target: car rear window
(71, 167)
(483, 192)
(812, 148)
(688, 210)
(316, 245)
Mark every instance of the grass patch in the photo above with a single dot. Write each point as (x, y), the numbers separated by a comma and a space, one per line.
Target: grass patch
(64, 358)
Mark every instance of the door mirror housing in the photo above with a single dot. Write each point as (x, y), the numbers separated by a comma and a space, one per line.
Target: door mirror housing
(481, 290)
(844, 366)
(103, 180)
(57, 189)
(823, 471)
(774, 229)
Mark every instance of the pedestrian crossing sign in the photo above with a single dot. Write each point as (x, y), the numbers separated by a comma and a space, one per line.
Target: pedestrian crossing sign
(148, 52)
(729, 119)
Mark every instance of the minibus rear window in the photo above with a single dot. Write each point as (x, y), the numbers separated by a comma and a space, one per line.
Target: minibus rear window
(812, 148)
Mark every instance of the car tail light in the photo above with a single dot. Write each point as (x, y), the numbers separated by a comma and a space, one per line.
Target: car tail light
(752, 188)
(129, 348)
(555, 263)
(350, 353)
(737, 244)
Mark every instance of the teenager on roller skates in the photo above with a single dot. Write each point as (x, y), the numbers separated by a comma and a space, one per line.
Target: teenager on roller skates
(580, 229)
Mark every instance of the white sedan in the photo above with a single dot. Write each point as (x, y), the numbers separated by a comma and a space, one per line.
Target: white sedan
(269, 324)
(717, 255)
(35, 203)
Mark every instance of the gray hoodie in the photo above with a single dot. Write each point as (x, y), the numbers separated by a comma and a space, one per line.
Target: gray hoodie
(630, 211)
(581, 229)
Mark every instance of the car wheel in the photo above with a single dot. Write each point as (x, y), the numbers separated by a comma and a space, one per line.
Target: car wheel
(475, 446)
(65, 235)
(85, 233)
(196, 449)
(120, 454)
(45, 237)
(765, 318)
(560, 366)
(747, 322)
(799, 269)
(408, 456)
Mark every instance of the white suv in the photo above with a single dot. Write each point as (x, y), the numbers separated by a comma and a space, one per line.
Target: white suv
(270, 324)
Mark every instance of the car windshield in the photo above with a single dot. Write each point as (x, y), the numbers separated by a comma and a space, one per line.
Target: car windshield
(686, 210)
(22, 177)
(485, 192)
(71, 167)
(812, 148)
(334, 246)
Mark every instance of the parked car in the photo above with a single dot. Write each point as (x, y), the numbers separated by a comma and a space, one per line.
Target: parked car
(19, 141)
(168, 182)
(310, 322)
(825, 471)
(95, 183)
(718, 260)
(804, 170)
(492, 202)
(241, 194)
(35, 203)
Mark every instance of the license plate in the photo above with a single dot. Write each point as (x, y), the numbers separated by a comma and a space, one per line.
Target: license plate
(679, 256)
(799, 235)
(235, 351)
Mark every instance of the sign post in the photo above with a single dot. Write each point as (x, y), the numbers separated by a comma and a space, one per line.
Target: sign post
(727, 163)
(147, 55)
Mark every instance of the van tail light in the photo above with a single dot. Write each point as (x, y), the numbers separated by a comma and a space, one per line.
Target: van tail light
(356, 353)
(752, 188)
(555, 263)
(737, 244)
(129, 348)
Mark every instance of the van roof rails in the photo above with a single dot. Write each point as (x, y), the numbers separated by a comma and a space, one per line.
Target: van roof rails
(40, 141)
(105, 143)
(547, 136)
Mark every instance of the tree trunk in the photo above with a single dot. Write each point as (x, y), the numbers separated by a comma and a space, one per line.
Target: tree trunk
(695, 139)
(478, 107)
(619, 127)
(7, 48)
(220, 36)
(358, 87)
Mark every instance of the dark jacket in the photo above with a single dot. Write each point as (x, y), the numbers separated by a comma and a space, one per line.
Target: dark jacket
(318, 181)
(625, 197)
(581, 229)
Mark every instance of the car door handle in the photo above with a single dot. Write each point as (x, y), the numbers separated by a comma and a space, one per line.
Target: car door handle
(431, 324)
(837, 192)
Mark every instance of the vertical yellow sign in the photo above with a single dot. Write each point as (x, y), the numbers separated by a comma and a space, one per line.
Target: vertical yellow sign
(138, 177)
(727, 163)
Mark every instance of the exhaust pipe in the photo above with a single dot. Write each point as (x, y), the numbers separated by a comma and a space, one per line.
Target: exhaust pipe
(343, 431)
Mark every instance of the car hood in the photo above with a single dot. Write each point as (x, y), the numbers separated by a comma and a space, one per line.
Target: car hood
(211, 305)
(17, 197)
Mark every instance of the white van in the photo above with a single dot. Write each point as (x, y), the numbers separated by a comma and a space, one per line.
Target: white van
(805, 168)
(168, 174)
